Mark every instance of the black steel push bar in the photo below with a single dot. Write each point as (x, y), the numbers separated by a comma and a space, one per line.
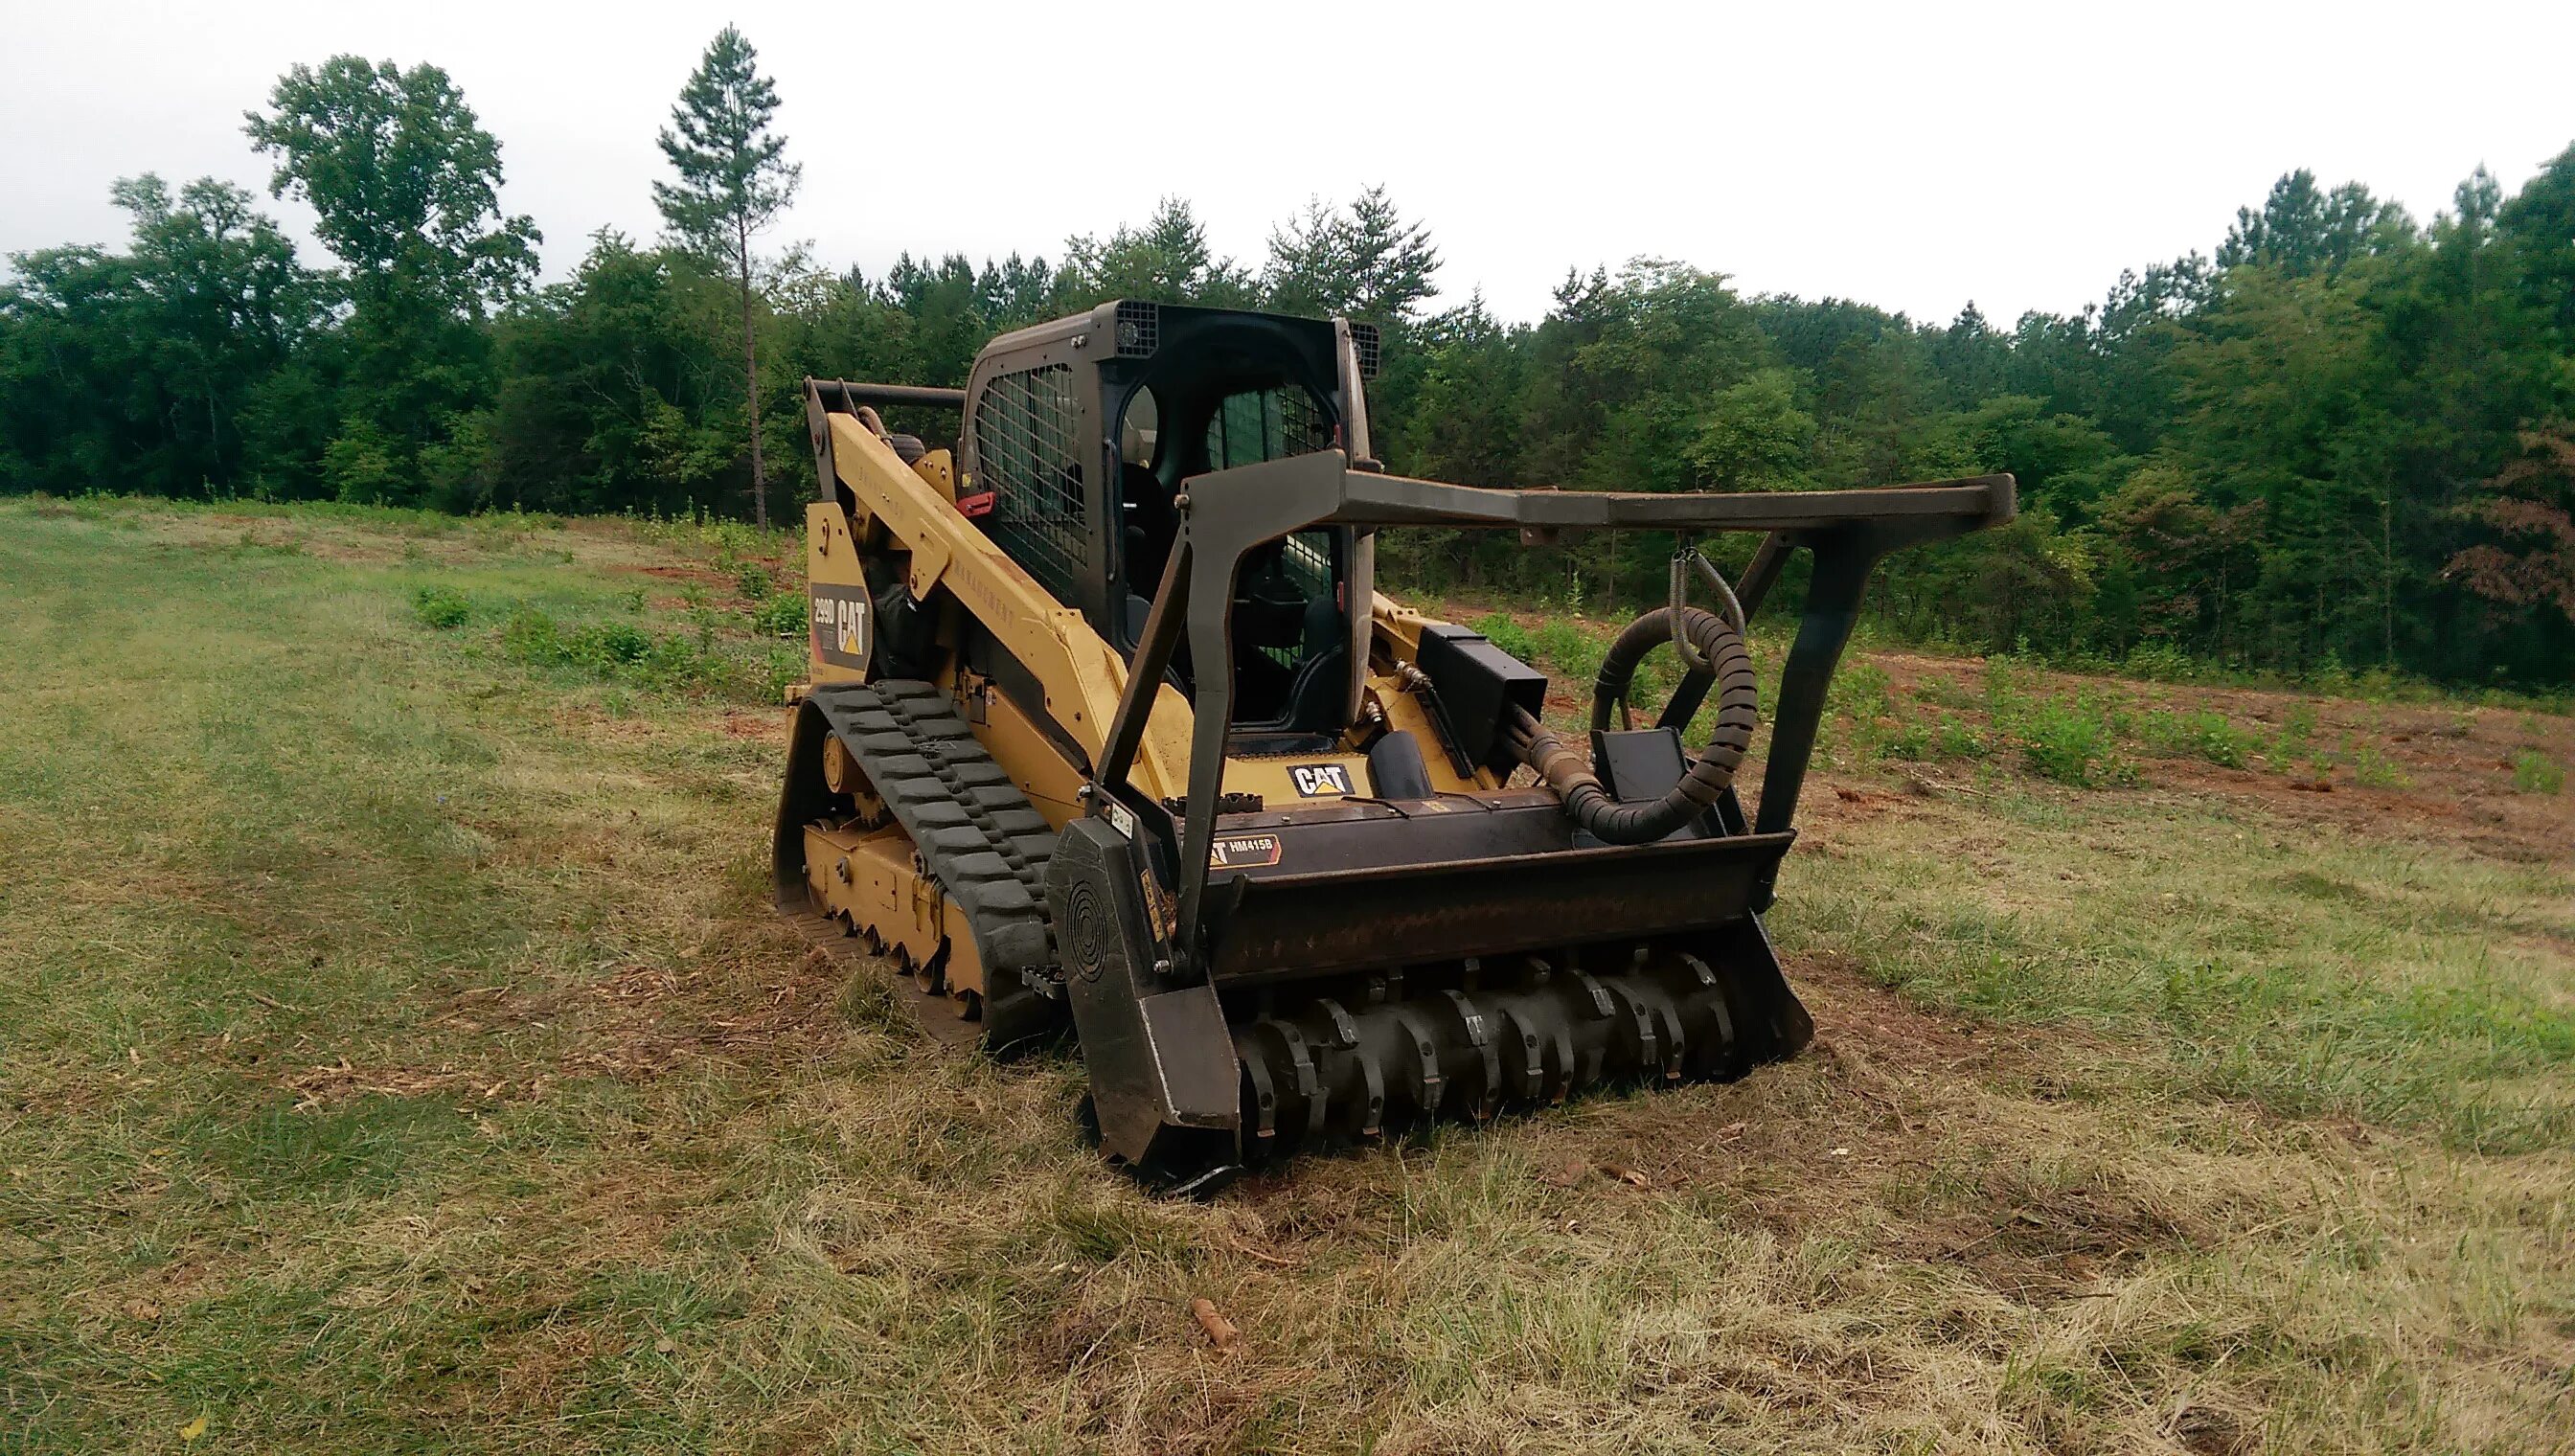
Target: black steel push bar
(841, 395)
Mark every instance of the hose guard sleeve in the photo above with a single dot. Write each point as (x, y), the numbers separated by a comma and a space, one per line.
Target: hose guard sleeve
(1568, 771)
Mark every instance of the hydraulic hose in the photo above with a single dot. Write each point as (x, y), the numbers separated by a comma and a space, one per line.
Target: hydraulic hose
(1567, 772)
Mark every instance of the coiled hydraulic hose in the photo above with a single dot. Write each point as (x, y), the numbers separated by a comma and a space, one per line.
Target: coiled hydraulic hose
(1567, 772)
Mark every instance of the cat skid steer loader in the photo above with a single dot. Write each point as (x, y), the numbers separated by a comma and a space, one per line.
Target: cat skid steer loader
(1108, 729)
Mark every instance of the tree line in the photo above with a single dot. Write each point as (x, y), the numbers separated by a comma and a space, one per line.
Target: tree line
(2340, 438)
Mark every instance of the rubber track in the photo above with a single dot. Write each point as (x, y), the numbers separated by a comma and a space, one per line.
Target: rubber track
(973, 828)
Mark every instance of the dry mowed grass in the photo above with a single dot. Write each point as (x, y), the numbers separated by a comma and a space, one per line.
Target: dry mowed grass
(397, 1054)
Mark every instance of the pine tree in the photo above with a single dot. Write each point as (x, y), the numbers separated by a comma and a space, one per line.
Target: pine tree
(732, 184)
(1169, 260)
(1366, 262)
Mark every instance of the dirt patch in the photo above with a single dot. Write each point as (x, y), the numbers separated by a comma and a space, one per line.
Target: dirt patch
(768, 725)
(656, 1017)
(1886, 1096)
(1079, 1334)
(2207, 1431)
(339, 1081)
(2444, 772)
(2036, 1244)
(636, 1023)
(1879, 1023)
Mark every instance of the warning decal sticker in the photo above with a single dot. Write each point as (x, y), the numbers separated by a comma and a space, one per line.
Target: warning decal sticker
(1237, 852)
(843, 617)
(1321, 781)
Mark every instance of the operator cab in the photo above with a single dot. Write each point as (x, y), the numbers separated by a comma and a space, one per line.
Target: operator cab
(1176, 393)
(1289, 619)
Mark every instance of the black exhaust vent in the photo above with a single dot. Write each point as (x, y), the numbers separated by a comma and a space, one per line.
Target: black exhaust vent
(1139, 329)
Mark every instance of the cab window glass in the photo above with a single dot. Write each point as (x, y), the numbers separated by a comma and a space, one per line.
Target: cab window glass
(1140, 429)
(1287, 623)
(1270, 424)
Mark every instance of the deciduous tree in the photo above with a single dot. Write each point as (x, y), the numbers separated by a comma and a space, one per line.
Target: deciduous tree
(405, 186)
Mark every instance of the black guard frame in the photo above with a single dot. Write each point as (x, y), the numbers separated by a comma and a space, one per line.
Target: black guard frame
(1225, 513)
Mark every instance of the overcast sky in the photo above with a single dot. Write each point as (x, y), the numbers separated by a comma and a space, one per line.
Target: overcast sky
(1917, 155)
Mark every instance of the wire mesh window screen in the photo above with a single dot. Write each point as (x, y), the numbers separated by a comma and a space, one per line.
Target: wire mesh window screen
(1309, 561)
(1306, 565)
(1027, 449)
(1271, 424)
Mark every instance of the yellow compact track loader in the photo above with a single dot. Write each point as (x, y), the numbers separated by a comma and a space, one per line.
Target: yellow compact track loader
(1108, 727)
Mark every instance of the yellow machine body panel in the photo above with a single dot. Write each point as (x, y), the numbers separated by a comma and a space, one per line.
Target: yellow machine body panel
(871, 878)
(914, 507)
(831, 562)
(1081, 674)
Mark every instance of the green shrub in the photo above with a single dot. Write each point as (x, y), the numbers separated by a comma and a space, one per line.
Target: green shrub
(2159, 663)
(724, 542)
(2204, 734)
(782, 666)
(1860, 690)
(2070, 742)
(1567, 650)
(2534, 773)
(2372, 769)
(2210, 735)
(2006, 690)
(531, 636)
(2219, 742)
(622, 651)
(2295, 738)
(672, 662)
(752, 578)
(1956, 738)
(785, 615)
(609, 644)
(2332, 677)
(1656, 678)
(441, 608)
(1507, 634)
(1911, 741)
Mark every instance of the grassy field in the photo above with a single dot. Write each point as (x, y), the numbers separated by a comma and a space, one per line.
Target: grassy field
(398, 1055)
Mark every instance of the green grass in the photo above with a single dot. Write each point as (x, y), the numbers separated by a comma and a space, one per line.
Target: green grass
(2403, 987)
(400, 1056)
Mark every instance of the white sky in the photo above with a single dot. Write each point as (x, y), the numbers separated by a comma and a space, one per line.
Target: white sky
(1913, 156)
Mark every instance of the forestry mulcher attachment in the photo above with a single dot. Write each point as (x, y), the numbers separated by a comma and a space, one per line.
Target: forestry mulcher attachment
(1109, 725)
